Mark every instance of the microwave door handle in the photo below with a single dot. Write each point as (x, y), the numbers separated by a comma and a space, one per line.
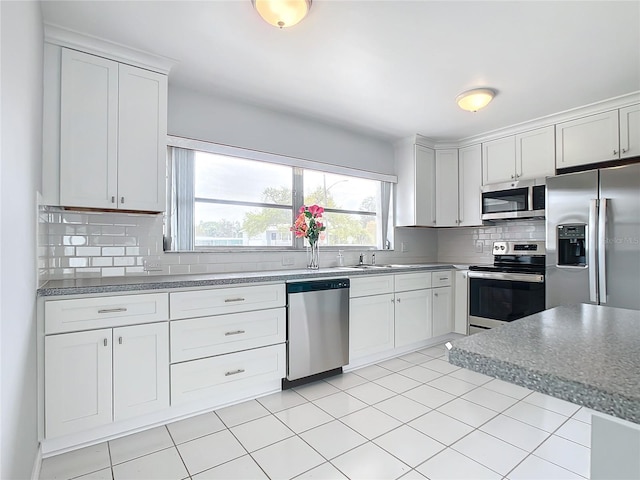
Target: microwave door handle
(602, 257)
(591, 250)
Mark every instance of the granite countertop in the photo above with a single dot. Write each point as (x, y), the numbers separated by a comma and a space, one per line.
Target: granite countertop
(158, 282)
(586, 354)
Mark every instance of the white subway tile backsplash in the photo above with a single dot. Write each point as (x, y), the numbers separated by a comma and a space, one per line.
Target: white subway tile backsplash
(124, 261)
(112, 251)
(88, 251)
(113, 272)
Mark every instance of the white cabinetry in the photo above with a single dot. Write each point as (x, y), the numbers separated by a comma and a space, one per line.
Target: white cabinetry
(587, 140)
(415, 191)
(527, 155)
(461, 302)
(95, 377)
(226, 342)
(447, 188)
(630, 131)
(398, 311)
(107, 133)
(469, 183)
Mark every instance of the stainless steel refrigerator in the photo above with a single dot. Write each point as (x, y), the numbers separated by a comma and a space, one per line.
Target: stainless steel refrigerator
(593, 238)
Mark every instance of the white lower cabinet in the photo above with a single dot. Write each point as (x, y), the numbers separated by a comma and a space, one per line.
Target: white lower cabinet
(412, 317)
(461, 302)
(95, 377)
(371, 325)
(442, 311)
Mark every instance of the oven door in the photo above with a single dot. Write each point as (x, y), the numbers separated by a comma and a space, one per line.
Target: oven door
(495, 297)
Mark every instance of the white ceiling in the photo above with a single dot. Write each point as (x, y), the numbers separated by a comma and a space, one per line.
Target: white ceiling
(388, 68)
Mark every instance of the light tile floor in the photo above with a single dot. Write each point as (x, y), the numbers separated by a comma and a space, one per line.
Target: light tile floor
(413, 417)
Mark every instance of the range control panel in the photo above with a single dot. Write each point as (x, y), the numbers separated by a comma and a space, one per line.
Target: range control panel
(518, 248)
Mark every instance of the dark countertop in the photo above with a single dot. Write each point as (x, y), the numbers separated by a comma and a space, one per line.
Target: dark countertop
(159, 282)
(586, 354)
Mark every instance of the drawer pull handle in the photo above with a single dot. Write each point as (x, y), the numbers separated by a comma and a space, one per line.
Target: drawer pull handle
(229, 300)
(444, 279)
(112, 310)
(234, 372)
(236, 332)
(104, 342)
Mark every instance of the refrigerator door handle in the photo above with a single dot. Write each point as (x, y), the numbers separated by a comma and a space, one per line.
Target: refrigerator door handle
(602, 258)
(591, 246)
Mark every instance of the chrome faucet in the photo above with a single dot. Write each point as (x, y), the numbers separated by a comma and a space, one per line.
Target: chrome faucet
(361, 261)
(373, 259)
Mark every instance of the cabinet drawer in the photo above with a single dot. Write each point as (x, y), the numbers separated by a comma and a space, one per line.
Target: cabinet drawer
(441, 278)
(209, 336)
(203, 303)
(210, 377)
(100, 312)
(375, 285)
(412, 281)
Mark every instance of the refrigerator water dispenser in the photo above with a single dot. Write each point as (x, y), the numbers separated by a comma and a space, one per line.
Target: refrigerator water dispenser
(572, 243)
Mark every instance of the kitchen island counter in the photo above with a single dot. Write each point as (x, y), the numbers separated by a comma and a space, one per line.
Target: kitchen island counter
(586, 354)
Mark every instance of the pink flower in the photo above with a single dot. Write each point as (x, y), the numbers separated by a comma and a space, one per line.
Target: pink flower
(316, 211)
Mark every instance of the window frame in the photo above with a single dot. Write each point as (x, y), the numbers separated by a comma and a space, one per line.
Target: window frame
(298, 166)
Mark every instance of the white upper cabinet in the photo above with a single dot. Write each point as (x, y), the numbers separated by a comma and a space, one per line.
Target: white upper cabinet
(535, 153)
(630, 131)
(587, 140)
(523, 156)
(447, 188)
(499, 160)
(112, 131)
(469, 183)
(415, 192)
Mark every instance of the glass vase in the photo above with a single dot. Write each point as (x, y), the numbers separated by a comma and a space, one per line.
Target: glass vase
(313, 256)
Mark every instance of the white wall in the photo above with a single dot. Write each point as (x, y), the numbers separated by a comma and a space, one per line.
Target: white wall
(20, 167)
(218, 120)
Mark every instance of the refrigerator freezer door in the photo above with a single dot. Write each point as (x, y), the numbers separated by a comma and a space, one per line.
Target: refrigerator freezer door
(620, 187)
(568, 200)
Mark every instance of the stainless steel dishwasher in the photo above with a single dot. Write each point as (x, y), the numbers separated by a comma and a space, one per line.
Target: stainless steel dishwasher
(317, 329)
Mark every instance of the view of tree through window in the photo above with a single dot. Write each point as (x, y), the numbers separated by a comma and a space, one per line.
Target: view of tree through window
(238, 202)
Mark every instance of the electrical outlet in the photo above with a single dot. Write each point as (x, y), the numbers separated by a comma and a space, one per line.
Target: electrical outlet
(404, 247)
(287, 260)
(148, 266)
(479, 246)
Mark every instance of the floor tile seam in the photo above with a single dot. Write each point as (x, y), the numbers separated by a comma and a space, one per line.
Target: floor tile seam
(234, 458)
(398, 458)
(462, 421)
(481, 405)
(142, 456)
(408, 421)
(246, 421)
(513, 444)
(486, 466)
(424, 383)
(557, 465)
(451, 447)
(545, 408)
(89, 473)
(457, 395)
(336, 417)
(186, 469)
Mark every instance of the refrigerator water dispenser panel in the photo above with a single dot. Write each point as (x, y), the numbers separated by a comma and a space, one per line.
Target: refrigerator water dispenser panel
(572, 243)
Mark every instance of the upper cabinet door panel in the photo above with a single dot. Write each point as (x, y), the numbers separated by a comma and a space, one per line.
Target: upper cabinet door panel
(630, 131)
(587, 140)
(88, 130)
(469, 183)
(142, 139)
(536, 153)
(498, 160)
(425, 186)
(447, 188)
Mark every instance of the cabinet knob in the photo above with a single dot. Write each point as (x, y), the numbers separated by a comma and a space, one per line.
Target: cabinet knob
(398, 300)
(615, 152)
(513, 177)
(624, 150)
(121, 199)
(113, 199)
(392, 300)
(435, 294)
(105, 343)
(120, 340)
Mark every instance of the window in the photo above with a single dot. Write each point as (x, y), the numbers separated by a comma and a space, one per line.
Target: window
(223, 201)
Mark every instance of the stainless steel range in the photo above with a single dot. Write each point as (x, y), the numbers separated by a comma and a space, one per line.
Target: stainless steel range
(511, 288)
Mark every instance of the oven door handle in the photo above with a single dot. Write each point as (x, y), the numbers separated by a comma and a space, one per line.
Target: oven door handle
(514, 277)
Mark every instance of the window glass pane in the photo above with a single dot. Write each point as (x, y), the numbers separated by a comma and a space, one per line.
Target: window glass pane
(237, 179)
(234, 225)
(349, 229)
(340, 192)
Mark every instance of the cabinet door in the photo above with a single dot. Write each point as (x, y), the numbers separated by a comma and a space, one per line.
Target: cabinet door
(469, 183)
(536, 153)
(587, 140)
(88, 131)
(371, 325)
(77, 381)
(442, 311)
(499, 160)
(425, 186)
(630, 131)
(140, 369)
(461, 302)
(142, 139)
(447, 188)
(412, 317)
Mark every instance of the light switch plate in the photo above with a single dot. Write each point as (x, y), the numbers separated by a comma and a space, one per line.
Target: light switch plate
(479, 246)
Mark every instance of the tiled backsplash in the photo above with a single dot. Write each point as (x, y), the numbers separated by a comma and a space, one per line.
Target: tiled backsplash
(472, 245)
(81, 244)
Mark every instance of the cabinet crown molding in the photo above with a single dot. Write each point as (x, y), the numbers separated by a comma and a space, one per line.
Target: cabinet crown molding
(104, 48)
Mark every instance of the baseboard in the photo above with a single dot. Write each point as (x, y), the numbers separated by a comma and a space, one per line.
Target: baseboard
(37, 464)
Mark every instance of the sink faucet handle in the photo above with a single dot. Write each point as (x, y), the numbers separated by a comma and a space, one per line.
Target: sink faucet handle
(373, 259)
(361, 262)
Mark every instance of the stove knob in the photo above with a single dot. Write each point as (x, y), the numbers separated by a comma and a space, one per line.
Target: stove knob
(501, 247)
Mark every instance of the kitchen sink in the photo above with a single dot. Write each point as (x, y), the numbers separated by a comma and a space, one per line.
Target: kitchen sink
(384, 266)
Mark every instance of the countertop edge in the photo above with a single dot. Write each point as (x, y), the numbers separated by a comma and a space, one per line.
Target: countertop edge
(614, 404)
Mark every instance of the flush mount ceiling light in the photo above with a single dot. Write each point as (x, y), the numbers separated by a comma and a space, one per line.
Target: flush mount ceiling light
(474, 100)
(282, 13)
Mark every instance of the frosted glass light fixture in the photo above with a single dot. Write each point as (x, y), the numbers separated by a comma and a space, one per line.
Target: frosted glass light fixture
(474, 100)
(282, 13)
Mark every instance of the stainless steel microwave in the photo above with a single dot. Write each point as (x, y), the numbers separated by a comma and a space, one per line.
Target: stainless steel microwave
(513, 200)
